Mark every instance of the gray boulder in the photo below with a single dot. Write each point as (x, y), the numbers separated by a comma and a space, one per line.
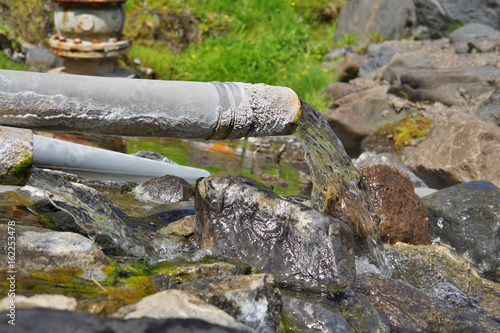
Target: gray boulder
(243, 220)
(389, 18)
(253, 300)
(436, 16)
(164, 189)
(489, 109)
(466, 217)
(475, 36)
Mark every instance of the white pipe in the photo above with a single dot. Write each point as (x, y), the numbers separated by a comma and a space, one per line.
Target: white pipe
(63, 155)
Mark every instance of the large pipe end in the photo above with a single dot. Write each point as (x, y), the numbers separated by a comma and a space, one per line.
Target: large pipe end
(255, 110)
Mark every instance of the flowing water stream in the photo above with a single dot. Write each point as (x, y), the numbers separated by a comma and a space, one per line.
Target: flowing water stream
(338, 188)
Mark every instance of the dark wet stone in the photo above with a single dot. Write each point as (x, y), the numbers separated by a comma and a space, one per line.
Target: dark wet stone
(241, 219)
(402, 214)
(466, 217)
(253, 300)
(79, 208)
(165, 214)
(190, 271)
(451, 295)
(308, 317)
(164, 189)
(162, 282)
(41, 320)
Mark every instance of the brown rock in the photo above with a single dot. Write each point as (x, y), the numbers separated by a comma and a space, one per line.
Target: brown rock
(371, 106)
(348, 68)
(337, 90)
(459, 148)
(401, 211)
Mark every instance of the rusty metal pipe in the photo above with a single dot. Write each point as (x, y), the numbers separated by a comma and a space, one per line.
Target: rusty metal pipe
(146, 108)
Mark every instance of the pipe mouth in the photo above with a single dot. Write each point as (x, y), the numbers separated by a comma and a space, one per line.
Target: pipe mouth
(254, 110)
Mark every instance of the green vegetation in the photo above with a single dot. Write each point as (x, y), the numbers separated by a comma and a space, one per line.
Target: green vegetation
(405, 131)
(275, 42)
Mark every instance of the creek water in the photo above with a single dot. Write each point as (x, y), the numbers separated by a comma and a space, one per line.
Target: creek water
(338, 188)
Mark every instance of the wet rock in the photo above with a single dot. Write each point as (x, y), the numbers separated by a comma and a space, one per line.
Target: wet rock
(164, 189)
(403, 217)
(186, 271)
(370, 105)
(253, 300)
(178, 304)
(59, 302)
(337, 90)
(391, 160)
(459, 148)
(178, 231)
(476, 36)
(39, 249)
(361, 314)
(308, 317)
(427, 266)
(16, 155)
(162, 282)
(394, 19)
(437, 16)
(78, 208)
(241, 219)
(348, 68)
(50, 321)
(449, 86)
(488, 110)
(451, 295)
(407, 309)
(153, 156)
(466, 217)
(161, 215)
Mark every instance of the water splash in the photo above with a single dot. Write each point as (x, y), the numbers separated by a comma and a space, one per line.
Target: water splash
(339, 189)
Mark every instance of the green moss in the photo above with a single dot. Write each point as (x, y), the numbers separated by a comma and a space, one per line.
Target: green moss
(405, 131)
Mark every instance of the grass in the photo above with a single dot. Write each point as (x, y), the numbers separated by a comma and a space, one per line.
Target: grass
(275, 42)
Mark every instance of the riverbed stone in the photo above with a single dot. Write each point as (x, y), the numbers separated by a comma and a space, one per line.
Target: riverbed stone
(42, 320)
(338, 90)
(178, 304)
(40, 249)
(348, 68)
(488, 110)
(458, 148)
(164, 189)
(253, 300)
(372, 106)
(78, 208)
(190, 271)
(16, 155)
(388, 18)
(59, 302)
(450, 86)
(466, 217)
(476, 37)
(309, 317)
(403, 217)
(244, 220)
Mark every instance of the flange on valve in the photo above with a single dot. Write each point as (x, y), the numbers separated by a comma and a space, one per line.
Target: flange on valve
(89, 35)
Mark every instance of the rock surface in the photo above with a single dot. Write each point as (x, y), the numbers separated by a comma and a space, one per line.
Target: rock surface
(403, 217)
(39, 249)
(388, 18)
(180, 305)
(59, 302)
(164, 189)
(253, 300)
(466, 217)
(241, 219)
(459, 148)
